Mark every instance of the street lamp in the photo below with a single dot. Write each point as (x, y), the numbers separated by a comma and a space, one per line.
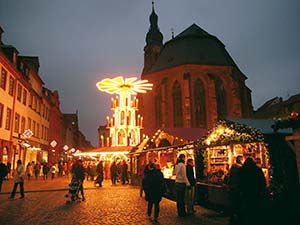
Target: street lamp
(27, 133)
(53, 144)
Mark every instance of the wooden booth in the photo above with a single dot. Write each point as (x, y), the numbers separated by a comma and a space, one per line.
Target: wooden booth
(215, 152)
(219, 149)
(162, 149)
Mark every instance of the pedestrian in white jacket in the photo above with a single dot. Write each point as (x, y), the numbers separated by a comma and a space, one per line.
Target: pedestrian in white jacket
(19, 176)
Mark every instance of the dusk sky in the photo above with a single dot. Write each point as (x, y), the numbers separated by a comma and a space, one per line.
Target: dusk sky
(80, 42)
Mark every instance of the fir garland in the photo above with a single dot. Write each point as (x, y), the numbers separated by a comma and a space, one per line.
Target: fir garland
(241, 134)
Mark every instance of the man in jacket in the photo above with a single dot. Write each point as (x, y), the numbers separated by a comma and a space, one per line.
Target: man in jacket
(190, 191)
(181, 183)
(19, 175)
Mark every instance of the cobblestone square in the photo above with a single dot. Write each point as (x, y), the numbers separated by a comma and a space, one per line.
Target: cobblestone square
(45, 203)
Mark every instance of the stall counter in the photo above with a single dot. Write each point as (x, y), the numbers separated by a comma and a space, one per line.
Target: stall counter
(213, 195)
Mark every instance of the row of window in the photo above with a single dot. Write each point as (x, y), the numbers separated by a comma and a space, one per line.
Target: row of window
(34, 103)
(3, 83)
(198, 111)
(39, 131)
(7, 121)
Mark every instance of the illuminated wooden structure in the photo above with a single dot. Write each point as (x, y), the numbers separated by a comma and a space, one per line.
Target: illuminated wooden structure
(125, 124)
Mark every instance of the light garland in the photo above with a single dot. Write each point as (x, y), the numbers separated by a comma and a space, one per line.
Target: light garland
(227, 132)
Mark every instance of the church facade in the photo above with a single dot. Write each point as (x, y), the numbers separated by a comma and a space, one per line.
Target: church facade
(195, 81)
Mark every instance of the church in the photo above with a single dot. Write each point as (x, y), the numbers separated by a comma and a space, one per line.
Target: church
(195, 81)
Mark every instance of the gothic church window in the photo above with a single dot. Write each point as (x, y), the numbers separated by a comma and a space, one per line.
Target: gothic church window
(158, 108)
(200, 112)
(177, 105)
(220, 98)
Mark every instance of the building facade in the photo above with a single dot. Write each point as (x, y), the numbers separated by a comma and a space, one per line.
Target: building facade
(32, 127)
(55, 146)
(195, 81)
(72, 139)
(22, 108)
(277, 108)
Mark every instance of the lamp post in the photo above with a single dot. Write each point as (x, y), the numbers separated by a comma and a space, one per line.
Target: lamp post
(26, 134)
(66, 147)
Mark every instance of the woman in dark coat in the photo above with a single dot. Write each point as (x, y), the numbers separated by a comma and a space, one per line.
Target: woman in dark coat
(153, 185)
(99, 171)
(253, 192)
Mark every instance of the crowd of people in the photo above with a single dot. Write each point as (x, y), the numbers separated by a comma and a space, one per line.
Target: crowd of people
(246, 188)
(246, 182)
(154, 186)
(95, 171)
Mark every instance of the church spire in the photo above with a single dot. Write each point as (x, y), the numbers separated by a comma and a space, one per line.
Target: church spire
(154, 36)
(153, 18)
(154, 42)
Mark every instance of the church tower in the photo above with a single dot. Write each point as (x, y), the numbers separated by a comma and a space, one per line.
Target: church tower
(154, 42)
(195, 82)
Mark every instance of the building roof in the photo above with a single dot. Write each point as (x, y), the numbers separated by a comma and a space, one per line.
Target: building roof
(264, 125)
(190, 134)
(193, 46)
(168, 138)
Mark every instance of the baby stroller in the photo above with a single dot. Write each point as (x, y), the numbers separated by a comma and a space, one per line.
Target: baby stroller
(74, 188)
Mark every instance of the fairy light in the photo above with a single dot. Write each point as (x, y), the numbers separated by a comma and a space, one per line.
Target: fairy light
(119, 85)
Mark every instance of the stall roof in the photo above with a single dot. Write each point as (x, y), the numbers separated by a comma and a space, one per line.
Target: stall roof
(226, 132)
(264, 125)
(168, 137)
(109, 149)
(190, 134)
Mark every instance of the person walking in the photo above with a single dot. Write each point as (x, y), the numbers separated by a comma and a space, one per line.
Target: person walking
(46, 169)
(124, 172)
(153, 185)
(113, 173)
(37, 168)
(190, 191)
(181, 183)
(29, 170)
(3, 173)
(53, 171)
(19, 176)
(234, 195)
(253, 191)
(78, 172)
(99, 171)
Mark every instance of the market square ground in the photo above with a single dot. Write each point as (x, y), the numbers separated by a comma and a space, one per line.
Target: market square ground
(44, 203)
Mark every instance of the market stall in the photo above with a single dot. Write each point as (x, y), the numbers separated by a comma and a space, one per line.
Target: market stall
(163, 149)
(219, 149)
